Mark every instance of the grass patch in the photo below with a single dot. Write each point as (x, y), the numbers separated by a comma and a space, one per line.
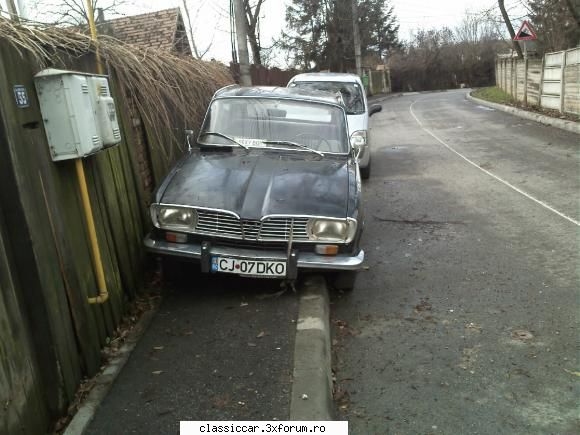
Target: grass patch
(494, 94)
(497, 95)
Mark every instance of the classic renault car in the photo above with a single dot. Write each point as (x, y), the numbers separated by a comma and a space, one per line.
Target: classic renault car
(271, 186)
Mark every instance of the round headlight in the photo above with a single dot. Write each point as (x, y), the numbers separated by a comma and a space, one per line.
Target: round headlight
(327, 230)
(175, 218)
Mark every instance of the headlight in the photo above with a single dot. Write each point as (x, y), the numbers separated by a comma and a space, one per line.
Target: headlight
(358, 139)
(332, 230)
(173, 218)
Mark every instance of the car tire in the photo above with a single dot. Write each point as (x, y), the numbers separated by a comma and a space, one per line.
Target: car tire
(365, 172)
(344, 281)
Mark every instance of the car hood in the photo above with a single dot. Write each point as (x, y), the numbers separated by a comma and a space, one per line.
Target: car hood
(261, 183)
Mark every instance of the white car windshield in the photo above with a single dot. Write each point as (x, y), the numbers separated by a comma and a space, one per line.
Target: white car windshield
(351, 93)
(275, 123)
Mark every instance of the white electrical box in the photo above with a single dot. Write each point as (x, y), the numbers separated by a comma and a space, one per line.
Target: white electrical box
(78, 112)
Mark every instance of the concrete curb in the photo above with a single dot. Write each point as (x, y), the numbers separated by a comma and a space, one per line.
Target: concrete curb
(105, 380)
(571, 126)
(311, 397)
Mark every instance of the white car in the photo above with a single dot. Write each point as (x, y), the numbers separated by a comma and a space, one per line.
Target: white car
(357, 109)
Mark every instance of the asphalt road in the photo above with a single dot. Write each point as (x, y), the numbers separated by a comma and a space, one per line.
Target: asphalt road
(220, 348)
(466, 321)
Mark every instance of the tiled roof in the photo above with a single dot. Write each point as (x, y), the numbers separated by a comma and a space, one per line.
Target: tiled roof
(162, 30)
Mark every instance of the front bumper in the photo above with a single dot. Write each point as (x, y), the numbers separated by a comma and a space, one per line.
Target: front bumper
(305, 260)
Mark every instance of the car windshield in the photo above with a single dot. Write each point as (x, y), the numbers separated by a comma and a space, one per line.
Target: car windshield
(351, 93)
(275, 123)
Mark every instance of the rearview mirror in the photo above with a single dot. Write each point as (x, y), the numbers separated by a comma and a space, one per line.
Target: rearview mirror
(375, 108)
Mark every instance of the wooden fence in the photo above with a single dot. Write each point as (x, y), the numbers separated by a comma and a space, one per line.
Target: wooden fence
(262, 76)
(552, 82)
(50, 337)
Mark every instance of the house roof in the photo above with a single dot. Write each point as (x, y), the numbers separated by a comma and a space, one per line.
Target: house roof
(162, 30)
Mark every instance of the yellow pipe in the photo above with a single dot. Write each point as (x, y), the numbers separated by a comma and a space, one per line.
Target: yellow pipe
(97, 261)
(93, 29)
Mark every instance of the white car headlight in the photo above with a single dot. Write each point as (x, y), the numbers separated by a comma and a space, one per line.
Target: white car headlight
(173, 218)
(358, 139)
(332, 230)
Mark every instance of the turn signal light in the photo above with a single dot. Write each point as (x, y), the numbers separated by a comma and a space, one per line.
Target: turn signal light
(176, 237)
(326, 249)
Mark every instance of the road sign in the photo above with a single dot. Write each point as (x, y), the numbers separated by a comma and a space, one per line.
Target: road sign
(526, 33)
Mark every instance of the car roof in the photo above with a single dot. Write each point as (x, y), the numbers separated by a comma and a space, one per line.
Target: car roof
(279, 92)
(326, 77)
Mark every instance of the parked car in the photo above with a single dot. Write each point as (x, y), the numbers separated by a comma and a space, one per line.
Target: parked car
(357, 109)
(271, 186)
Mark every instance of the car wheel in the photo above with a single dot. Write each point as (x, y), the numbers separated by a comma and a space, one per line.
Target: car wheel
(344, 281)
(365, 172)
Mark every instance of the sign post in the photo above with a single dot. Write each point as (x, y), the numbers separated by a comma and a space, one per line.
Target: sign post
(525, 33)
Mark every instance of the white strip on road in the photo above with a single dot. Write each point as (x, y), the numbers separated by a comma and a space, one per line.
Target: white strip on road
(501, 180)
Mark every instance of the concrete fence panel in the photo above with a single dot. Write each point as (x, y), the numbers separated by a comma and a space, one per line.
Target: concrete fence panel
(572, 82)
(534, 74)
(521, 80)
(552, 82)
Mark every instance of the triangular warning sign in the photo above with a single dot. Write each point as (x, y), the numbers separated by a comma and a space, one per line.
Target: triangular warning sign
(526, 32)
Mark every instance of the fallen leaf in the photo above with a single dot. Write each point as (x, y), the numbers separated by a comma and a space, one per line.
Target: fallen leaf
(261, 334)
(520, 334)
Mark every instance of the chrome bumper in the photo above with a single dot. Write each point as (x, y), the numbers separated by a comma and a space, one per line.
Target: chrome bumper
(306, 260)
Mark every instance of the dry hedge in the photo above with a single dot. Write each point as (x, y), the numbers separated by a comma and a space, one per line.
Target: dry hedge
(170, 92)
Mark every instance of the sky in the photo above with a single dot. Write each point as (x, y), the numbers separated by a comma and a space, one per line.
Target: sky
(210, 18)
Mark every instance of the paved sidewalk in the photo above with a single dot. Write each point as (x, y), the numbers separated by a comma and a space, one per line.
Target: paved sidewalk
(220, 351)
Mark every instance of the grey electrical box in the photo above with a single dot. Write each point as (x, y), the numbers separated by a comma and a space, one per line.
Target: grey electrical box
(78, 112)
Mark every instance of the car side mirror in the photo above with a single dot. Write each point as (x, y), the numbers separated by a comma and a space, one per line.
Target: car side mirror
(356, 147)
(375, 108)
(188, 136)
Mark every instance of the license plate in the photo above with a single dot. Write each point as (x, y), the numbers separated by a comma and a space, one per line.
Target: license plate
(248, 267)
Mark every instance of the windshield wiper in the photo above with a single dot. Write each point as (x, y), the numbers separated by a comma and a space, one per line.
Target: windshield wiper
(294, 144)
(216, 133)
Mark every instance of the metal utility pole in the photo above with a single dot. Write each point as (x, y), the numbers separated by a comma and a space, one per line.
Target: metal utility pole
(242, 37)
(355, 31)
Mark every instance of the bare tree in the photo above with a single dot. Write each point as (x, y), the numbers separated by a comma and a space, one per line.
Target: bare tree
(574, 11)
(72, 12)
(510, 28)
(252, 22)
(199, 54)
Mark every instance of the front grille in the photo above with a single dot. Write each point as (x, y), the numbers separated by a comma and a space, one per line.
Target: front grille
(279, 228)
(220, 224)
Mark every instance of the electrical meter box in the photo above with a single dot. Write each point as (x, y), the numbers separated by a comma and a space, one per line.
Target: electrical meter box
(78, 113)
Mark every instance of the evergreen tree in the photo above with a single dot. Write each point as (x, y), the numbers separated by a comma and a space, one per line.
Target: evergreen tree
(321, 32)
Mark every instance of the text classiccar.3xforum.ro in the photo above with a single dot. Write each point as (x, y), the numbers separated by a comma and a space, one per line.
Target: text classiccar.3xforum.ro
(260, 428)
